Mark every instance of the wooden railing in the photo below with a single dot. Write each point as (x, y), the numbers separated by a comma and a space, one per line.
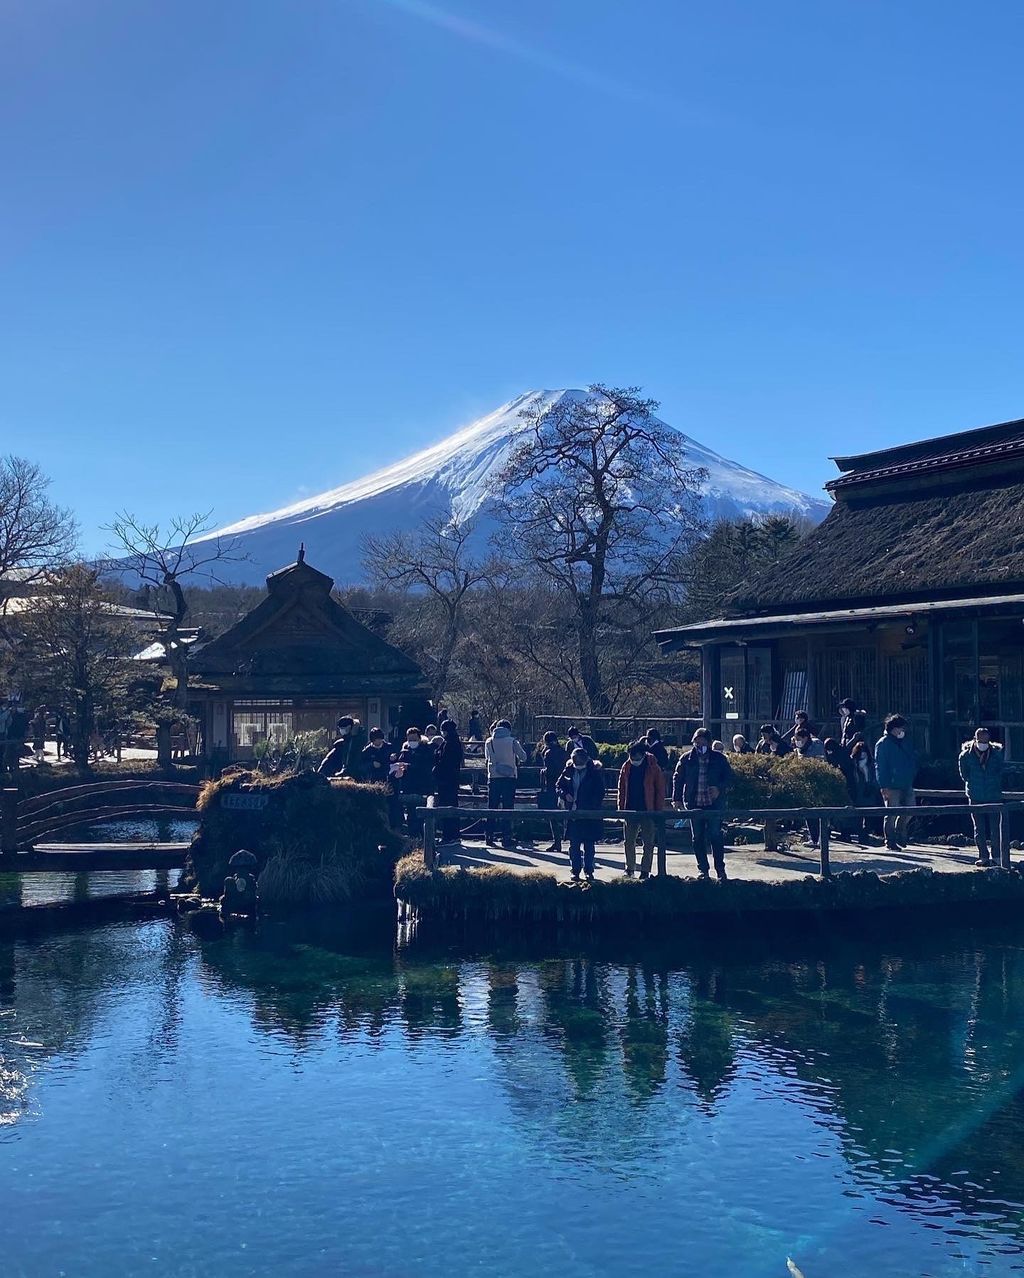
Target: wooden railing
(825, 816)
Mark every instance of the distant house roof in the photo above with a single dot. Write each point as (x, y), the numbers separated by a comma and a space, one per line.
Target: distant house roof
(300, 640)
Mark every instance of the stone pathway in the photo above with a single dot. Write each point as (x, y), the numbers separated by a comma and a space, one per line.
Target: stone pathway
(748, 862)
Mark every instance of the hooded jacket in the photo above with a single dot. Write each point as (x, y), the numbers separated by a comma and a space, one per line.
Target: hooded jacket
(982, 777)
(503, 754)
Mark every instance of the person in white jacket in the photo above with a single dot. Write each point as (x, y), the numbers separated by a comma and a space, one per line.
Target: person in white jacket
(503, 754)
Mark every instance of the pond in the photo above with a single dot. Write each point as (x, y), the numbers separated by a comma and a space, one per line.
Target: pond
(302, 1103)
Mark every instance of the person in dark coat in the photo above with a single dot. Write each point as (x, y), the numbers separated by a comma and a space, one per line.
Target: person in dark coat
(475, 727)
(377, 757)
(580, 741)
(349, 743)
(656, 746)
(447, 774)
(838, 757)
(981, 770)
(581, 789)
(553, 760)
(896, 766)
(415, 778)
(851, 721)
(700, 783)
(770, 742)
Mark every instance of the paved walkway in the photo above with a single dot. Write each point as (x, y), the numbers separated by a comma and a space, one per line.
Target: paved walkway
(748, 862)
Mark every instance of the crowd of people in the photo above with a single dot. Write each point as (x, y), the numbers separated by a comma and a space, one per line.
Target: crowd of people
(424, 768)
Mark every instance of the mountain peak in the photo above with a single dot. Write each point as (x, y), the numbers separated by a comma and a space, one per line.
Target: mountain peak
(457, 475)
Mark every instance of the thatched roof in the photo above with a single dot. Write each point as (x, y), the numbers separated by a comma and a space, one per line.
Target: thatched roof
(953, 541)
(299, 639)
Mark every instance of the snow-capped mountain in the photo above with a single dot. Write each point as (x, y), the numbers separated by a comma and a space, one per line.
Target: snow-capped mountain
(456, 475)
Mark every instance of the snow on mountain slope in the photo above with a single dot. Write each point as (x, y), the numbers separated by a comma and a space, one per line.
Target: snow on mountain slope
(455, 475)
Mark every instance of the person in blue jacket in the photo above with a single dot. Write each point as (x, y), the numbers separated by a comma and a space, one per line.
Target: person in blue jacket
(895, 771)
(981, 770)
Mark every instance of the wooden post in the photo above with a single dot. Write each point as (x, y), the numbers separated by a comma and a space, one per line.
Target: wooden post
(1004, 837)
(8, 822)
(825, 834)
(660, 831)
(429, 853)
(771, 836)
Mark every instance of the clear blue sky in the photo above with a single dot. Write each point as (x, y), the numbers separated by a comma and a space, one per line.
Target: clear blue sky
(254, 248)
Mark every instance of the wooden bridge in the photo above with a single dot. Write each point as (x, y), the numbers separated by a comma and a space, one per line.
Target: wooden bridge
(31, 829)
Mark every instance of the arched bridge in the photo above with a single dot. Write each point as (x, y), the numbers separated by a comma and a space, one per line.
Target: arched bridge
(29, 824)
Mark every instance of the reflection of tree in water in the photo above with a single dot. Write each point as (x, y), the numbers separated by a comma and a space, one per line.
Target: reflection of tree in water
(430, 999)
(706, 1052)
(576, 1017)
(297, 986)
(503, 1018)
(644, 1031)
(55, 987)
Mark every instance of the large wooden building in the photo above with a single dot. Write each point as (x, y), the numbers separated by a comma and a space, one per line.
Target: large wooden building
(295, 663)
(908, 597)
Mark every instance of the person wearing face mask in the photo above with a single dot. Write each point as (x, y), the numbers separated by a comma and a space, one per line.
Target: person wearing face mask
(981, 770)
(641, 790)
(581, 789)
(580, 741)
(895, 771)
(414, 772)
(701, 780)
(503, 755)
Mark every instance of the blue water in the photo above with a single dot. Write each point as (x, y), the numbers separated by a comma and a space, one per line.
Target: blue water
(301, 1104)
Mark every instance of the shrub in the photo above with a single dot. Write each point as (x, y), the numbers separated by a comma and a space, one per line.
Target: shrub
(316, 841)
(766, 781)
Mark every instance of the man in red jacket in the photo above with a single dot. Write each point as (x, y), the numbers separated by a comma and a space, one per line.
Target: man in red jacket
(641, 790)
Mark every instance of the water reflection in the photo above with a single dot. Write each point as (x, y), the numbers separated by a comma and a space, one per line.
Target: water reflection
(867, 1078)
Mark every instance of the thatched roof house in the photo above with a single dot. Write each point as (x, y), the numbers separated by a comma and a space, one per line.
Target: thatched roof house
(909, 596)
(295, 663)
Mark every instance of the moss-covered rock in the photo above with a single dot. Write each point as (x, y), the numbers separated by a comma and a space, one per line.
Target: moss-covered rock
(317, 842)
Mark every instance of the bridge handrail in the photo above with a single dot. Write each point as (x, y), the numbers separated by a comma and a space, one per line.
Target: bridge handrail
(73, 793)
(36, 830)
(431, 815)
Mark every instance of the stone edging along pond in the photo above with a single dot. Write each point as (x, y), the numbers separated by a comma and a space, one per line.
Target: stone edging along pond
(495, 894)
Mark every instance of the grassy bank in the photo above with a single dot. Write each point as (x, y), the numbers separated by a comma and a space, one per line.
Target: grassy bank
(497, 895)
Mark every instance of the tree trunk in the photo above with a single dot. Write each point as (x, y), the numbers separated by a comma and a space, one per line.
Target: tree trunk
(163, 746)
(590, 669)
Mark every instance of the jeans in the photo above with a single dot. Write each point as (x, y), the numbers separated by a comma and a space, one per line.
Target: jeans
(709, 831)
(644, 826)
(501, 793)
(582, 849)
(895, 827)
(986, 834)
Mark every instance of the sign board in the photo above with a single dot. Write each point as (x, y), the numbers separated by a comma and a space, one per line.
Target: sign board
(244, 802)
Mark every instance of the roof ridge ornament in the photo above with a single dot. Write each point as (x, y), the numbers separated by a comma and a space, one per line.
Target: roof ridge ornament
(302, 553)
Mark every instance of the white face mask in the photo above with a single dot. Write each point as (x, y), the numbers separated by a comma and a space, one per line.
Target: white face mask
(899, 734)
(636, 759)
(413, 745)
(981, 745)
(702, 748)
(580, 767)
(343, 732)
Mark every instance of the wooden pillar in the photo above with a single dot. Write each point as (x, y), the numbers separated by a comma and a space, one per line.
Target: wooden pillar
(1004, 837)
(660, 833)
(429, 840)
(8, 822)
(825, 834)
(707, 664)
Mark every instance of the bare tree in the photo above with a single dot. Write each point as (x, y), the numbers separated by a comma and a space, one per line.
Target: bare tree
(168, 559)
(598, 502)
(438, 563)
(76, 652)
(35, 534)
